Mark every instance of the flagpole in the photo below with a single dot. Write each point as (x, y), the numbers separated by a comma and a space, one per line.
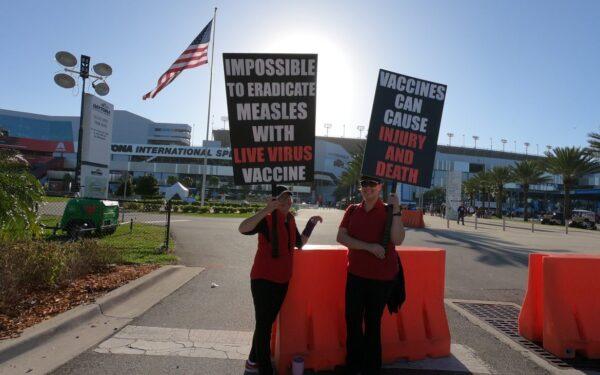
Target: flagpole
(212, 56)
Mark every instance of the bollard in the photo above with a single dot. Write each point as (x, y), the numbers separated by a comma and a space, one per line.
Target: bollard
(532, 223)
(447, 223)
(566, 227)
(123, 214)
(503, 224)
(131, 226)
(475, 221)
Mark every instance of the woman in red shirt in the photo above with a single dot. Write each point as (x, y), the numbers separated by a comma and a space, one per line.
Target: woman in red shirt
(272, 269)
(371, 274)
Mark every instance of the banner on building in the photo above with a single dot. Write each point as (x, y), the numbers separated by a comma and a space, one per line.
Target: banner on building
(271, 102)
(403, 130)
(96, 146)
(189, 152)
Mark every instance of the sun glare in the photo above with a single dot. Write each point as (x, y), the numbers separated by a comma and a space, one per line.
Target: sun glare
(335, 81)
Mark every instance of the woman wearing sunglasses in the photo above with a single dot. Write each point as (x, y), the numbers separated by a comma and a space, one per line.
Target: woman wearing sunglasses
(272, 269)
(371, 274)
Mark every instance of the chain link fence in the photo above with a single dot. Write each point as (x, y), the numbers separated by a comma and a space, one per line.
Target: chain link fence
(82, 217)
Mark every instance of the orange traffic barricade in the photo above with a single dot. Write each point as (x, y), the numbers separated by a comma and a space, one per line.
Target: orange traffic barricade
(311, 322)
(413, 219)
(561, 307)
(572, 306)
(532, 311)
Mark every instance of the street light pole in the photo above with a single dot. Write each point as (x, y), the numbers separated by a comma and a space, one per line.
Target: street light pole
(503, 143)
(68, 60)
(360, 130)
(327, 127)
(475, 138)
(450, 135)
(84, 71)
(526, 147)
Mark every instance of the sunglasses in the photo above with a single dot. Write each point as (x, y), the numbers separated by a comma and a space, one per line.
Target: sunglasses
(368, 184)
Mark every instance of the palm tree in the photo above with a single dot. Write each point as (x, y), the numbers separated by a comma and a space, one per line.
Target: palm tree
(594, 143)
(471, 189)
(527, 173)
(351, 175)
(571, 163)
(498, 177)
(482, 180)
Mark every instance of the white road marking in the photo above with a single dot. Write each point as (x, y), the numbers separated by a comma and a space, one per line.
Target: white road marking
(179, 342)
(461, 359)
(236, 345)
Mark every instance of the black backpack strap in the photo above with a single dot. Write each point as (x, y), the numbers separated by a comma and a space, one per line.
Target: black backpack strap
(274, 235)
(387, 232)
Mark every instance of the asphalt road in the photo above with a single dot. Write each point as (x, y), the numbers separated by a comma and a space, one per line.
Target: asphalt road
(479, 265)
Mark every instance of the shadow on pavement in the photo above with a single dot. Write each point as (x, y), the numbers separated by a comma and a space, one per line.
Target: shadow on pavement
(492, 251)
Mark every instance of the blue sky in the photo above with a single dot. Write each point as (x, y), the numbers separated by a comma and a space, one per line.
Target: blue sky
(526, 71)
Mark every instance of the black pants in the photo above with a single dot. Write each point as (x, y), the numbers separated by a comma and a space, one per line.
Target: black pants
(365, 301)
(460, 217)
(268, 297)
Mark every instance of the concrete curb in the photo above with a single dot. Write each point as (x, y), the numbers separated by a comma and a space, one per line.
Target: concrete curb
(41, 333)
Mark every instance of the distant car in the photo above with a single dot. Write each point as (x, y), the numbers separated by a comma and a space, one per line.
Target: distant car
(554, 218)
(583, 219)
(409, 206)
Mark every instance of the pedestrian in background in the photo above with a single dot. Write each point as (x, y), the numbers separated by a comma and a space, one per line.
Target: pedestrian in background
(461, 214)
(272, 269)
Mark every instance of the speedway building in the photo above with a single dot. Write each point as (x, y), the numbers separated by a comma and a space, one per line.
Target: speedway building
(141, 146)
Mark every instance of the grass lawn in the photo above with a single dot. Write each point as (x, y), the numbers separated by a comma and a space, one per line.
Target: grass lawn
(141, 245)
(138, 247)
(55, 199)
(214, 215)
(50, 220)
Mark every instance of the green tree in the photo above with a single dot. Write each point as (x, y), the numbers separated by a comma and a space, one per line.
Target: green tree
(352, 173)
(594, 142)
(187, 181)
(146, 186)
(125, 187)
(484, 184)
(571, 163)
(499, 176)
(20, 194)
(471, 189)
(171, 180)
(527, 173)
(213, 181)
(437, 195)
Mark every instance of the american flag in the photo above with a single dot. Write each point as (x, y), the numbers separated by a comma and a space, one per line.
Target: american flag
(195, 55)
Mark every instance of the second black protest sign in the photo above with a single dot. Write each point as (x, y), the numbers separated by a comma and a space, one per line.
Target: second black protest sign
(404, 129)
(271, 102)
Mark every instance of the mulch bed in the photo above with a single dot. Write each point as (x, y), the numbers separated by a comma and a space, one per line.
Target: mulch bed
(40, 305)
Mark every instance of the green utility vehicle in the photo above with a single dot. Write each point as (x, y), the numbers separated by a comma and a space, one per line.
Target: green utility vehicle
(85, 215)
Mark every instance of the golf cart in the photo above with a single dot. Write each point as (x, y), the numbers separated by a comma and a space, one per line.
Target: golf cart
(583, 219)
(87, 215)
(554, 218)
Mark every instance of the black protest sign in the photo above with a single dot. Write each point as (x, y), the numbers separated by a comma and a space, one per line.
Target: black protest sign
(271, 102)
(404, 128)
